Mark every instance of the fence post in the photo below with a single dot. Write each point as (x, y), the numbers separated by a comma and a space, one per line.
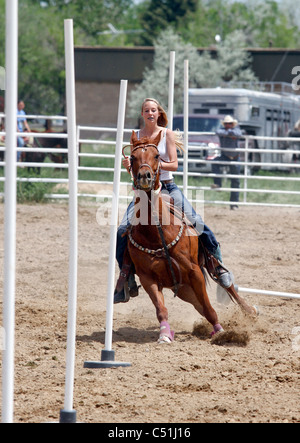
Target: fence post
(246, 169)
(186, 127)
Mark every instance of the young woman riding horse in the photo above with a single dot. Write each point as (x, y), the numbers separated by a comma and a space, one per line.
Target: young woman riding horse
(165, 252)
(155, 122)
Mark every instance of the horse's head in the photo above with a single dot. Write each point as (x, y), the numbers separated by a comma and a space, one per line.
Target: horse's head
(145, 162)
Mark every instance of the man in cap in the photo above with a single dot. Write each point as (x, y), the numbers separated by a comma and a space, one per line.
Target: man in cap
(229, 135)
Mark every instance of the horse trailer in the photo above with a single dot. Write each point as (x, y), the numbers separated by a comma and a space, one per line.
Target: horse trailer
(258, 113)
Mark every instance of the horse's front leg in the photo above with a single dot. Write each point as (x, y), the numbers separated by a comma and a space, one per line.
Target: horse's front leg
(156, 295)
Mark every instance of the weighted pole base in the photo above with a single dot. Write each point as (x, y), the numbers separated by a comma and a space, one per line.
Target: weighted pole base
(67, 416)
(107, 361)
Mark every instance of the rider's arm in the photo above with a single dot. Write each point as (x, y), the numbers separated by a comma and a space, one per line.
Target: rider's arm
(172, 164)
(26, 125)
(126, 160)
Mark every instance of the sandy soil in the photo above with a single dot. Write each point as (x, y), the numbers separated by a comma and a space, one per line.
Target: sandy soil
(253, 378)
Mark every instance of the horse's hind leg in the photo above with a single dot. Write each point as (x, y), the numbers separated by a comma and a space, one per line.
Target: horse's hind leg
(198, 297)
(252, 310)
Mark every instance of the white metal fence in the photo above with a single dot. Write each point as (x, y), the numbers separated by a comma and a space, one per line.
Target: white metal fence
(106, 137)
(248, 165)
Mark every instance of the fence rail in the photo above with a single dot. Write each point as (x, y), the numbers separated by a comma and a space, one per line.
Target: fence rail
(246, 175)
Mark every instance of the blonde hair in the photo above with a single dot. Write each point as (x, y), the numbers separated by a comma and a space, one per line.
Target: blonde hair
(163, 118)
(163, 121)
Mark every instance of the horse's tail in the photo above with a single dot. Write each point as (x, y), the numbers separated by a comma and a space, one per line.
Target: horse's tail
(205, 275)
(203, 261)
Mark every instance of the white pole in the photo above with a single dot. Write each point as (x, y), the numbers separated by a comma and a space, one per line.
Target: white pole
(171, 89)
(107, 354)
(114, 216)
(68, 414)
(271, 293)
(186, 126)
(11, 98)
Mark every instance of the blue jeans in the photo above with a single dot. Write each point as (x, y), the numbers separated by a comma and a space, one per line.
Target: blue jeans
(233, 170)
(207, 236)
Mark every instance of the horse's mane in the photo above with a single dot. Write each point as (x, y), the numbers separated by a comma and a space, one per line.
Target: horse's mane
(143, 141)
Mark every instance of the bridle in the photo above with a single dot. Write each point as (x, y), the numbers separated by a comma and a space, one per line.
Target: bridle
(154, 174)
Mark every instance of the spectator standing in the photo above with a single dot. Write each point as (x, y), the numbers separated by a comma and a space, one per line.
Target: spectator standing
(229, 135)
(295, 133)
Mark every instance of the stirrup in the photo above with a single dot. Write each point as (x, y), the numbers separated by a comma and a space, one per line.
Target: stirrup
(121, 294)
(223, 277)
(126, 286)
(218, 272)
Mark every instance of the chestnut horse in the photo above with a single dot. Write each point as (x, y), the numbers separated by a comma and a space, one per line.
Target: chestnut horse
(164, 249)
(42, 142)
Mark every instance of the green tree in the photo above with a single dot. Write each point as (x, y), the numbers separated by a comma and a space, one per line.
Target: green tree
(41, 59)
(263, 22)
(41, 45)
(230, 64)
(273, 27)
(92, 17)
(160, 14)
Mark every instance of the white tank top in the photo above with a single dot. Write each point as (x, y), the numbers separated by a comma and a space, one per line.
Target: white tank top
(162, 149)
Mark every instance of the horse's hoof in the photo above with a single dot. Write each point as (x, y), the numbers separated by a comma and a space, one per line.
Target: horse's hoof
(166, 336)
(217, 328)
(256, 309)
(163, 339)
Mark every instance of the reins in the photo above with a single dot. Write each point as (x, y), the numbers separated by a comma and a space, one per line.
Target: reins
(165, 247)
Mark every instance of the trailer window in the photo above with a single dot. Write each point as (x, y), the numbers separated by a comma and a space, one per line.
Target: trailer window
(200, 124)
(287, 116)
(201, 111)
(226, 111)
(255, 111)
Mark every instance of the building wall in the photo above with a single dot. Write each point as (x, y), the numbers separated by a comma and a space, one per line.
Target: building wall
(99, 72)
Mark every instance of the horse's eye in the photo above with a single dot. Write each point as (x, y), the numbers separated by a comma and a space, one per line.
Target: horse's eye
(157, 157)
(132, 157)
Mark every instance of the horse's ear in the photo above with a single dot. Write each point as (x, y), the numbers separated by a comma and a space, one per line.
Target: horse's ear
(157, 139)
(134, 138)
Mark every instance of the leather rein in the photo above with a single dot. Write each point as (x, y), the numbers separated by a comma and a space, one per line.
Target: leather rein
(165, 249)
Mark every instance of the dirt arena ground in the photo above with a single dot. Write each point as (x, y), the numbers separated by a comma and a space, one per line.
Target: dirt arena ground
(254, 378)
